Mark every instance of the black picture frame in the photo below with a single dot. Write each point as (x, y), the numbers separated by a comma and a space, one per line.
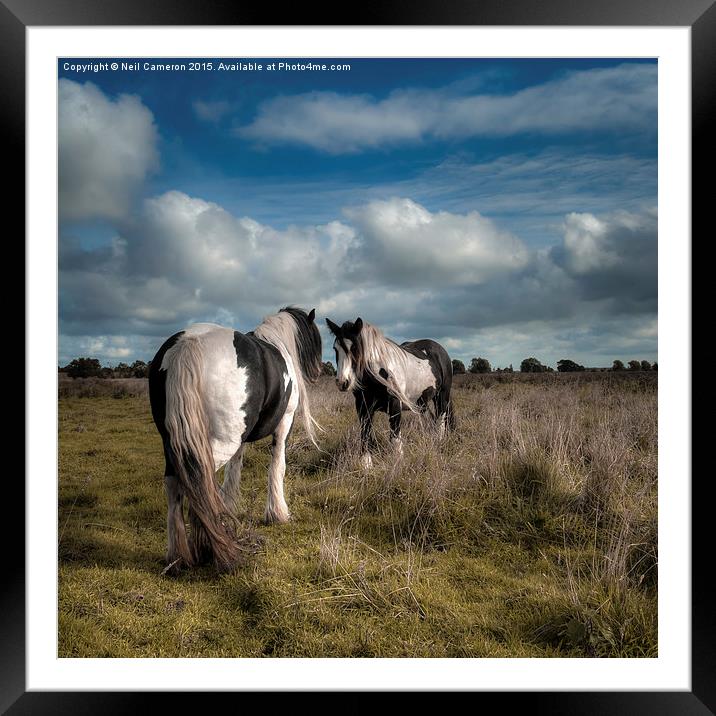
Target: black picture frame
(699, 15)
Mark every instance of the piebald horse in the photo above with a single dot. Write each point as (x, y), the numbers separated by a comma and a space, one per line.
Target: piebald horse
(212, 390)
(391, 378)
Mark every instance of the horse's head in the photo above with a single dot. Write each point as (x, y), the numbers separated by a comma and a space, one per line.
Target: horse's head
(349, 353)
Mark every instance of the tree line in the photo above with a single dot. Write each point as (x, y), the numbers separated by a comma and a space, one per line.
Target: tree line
(91, 368)
(532, 365)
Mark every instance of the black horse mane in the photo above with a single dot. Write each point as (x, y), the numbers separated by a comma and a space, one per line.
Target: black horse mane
(309, 342)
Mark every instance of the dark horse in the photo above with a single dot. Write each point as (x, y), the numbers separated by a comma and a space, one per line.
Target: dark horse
(391, 378)
(212, 390)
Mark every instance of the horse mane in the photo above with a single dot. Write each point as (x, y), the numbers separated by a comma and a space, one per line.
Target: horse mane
(375, 350)
(290, 329)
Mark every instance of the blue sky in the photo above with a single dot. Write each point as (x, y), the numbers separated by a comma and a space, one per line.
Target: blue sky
(504, 207)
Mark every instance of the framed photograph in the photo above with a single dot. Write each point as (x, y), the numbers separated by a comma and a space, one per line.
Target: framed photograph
(478, 219)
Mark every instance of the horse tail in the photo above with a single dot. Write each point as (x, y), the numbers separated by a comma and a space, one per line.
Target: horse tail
(188, 428)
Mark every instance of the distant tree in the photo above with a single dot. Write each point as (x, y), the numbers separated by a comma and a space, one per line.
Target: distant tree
(634, 365)
(122, 370)
(458, 367)
(480, 365)
(617, 365)
(645, 365)
(510, 369)
(532, 365)
(106, 372)
(568, 366)
(327, 368)
(655, 366)
(83, 368)
(139, 369)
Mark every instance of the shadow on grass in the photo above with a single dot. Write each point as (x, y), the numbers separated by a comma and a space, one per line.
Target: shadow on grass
(95, 544)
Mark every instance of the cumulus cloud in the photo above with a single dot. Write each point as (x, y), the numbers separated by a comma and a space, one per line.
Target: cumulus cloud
(612, 258)
(401, 241)
(592, 100)
(586, 244)
(413, 272)
(106, 149)
(225, 259)
(183, 258)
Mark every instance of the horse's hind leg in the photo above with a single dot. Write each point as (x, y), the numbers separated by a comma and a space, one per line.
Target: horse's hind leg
(232, 481)
(276, 507)
(443, 413)
(394, 416)
(450, 415)
(178, 552)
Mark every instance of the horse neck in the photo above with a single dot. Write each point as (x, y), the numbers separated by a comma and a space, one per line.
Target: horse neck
(281, 332)
(397, 361)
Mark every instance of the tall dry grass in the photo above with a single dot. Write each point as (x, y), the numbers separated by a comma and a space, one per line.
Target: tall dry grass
(557, 464)
(102, 387)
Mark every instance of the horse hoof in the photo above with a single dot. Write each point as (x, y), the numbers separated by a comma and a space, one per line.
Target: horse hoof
(272, 517)
(366, 461)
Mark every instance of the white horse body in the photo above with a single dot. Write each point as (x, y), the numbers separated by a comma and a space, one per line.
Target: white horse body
(212, 390)
(225, 386)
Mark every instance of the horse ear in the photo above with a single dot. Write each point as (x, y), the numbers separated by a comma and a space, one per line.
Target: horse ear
(334, 329)
(312, 315)
(358, 325)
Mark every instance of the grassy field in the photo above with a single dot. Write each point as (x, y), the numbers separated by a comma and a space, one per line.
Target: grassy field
(530, 532)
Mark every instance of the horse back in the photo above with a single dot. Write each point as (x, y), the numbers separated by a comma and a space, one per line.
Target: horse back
(268, 387)
(437, 356)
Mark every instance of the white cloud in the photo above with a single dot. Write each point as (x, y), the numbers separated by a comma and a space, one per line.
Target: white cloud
(105, 346)
(590, 100)
(412, 272)
(229, 259)
(400, 240)
(183, 258)
(610, 245)
(106, 149)
(585, 241)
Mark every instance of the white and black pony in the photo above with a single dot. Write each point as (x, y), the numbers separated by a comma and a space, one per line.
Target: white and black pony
(212, 390)
(391, 378)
